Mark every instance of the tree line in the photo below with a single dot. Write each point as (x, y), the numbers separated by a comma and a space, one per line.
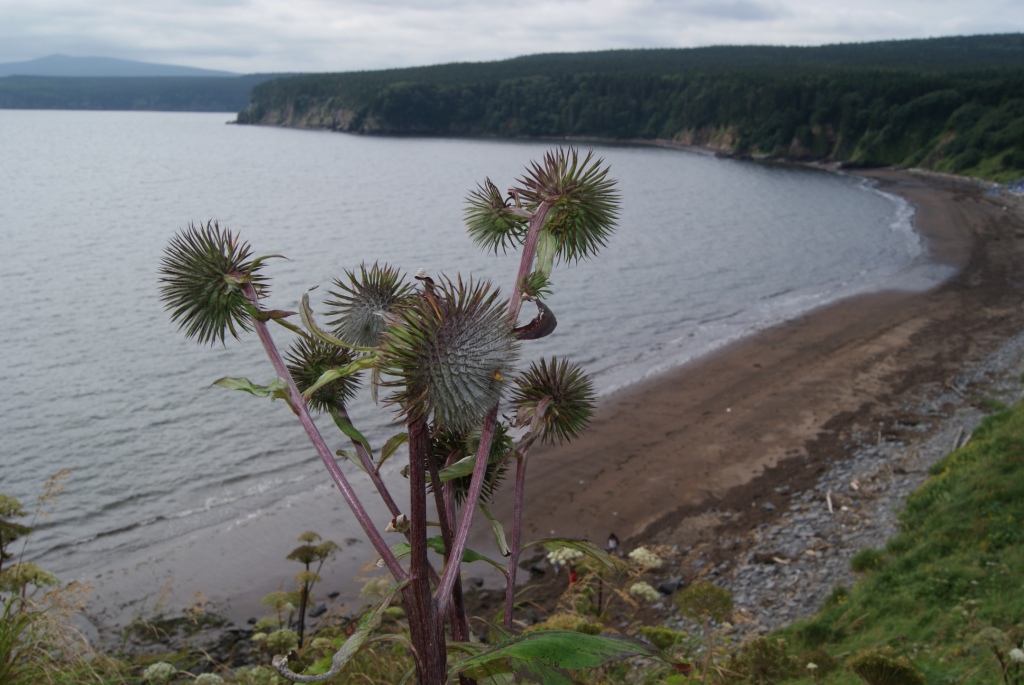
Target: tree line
(951, 104)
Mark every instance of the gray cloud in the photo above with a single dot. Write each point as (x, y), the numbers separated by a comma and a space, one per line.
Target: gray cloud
(328, 35)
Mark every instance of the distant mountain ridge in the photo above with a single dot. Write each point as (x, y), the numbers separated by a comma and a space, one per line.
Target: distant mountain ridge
(63, 65)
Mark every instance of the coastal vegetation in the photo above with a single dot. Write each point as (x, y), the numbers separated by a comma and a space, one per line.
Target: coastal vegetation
(941, 603)
(948, 104)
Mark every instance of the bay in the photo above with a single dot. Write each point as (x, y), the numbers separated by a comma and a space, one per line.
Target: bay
(98, 381)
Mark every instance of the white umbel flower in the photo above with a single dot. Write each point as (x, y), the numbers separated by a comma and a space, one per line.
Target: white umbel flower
(644, 591)
(645, 558)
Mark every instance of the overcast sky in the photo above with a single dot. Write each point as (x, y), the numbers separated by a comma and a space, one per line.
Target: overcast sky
(250, 36)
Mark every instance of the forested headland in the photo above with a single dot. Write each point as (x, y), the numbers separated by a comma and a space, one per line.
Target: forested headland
(949, 104)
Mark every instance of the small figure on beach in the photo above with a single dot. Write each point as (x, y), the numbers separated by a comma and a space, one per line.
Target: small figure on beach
(613, 545)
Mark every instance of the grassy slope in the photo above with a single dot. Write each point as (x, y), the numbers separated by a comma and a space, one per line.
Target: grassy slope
(947, 592)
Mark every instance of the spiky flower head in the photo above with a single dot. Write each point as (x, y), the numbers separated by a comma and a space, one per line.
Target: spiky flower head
(202, 275)
(584, 202)
(363, 303)
(569, 394)
(308, 359)
(446, 443)
(448, 353)
(491, 221)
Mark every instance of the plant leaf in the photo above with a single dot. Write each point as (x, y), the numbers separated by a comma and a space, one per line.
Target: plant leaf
(498, 530)
(389, 448)
(352, 457)
(468, 556)
(585, 546)
(436, 543)
(306, 314)
(334, 374)
(352, 432)
(276, 389)
(463, 467)
(369, 623)
(271, 314)
(562, 649)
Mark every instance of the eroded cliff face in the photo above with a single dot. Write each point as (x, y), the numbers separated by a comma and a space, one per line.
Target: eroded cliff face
(718, 138)
(316, 117)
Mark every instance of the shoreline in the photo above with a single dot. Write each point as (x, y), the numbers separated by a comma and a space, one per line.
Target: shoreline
(706, 458)
(744, 417)
(745, 394)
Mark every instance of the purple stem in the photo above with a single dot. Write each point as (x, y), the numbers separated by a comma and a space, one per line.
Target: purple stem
(443, 594)
(517, 525)
(526, 261)
(298, 405)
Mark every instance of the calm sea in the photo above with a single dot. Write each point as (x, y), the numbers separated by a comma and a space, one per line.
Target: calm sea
(96, 379)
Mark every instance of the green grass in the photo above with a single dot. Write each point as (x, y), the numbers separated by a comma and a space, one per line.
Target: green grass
(952, 582)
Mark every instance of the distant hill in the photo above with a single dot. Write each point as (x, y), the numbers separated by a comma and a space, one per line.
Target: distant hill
(151, 93)
(104, 83)
(62, 65)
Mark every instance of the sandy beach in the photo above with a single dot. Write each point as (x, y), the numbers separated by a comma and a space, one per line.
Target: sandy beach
(775, 409)
(725, 432)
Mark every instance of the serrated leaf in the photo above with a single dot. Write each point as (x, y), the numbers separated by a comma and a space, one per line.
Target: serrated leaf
(276, 389)
(389, 448)
(498, 530)
(560, 649)
(585, 546)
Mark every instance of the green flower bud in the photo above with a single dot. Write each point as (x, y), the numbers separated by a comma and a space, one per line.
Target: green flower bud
(362, 306)
(308, 359)
(202, 275)
(449, 352)
(444, 443)
(569, 394)
(491, 222)
(584, 202)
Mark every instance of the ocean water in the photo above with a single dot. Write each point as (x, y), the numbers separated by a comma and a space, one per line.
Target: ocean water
(97, 380)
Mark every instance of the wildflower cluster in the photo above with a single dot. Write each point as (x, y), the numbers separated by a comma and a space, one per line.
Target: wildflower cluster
(645, 558)
(564, 555)
(644, 591)
(159, 673)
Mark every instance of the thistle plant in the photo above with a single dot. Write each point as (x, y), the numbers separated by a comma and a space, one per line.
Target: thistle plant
(441, 353)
